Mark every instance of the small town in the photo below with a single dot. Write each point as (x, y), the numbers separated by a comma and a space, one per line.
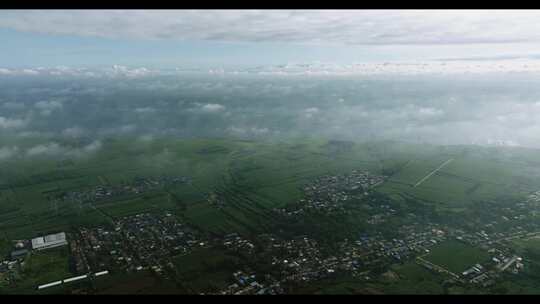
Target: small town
(330, 193)
(150, 242)
(137, 186)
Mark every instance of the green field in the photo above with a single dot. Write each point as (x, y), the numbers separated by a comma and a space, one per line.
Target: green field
(254, 177)
(413, 279)
(42, 267)
(408, 278)
(456, 256)
(207, 269)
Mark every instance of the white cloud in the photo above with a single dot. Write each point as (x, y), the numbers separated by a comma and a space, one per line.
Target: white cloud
(309, 112)
(8, 123)
(249, 131)
(8, 152)
(430, 112)
(213, 107)
(47, 107)
(502, 143)
(49, 149)
(311, 26)
(53, 149)
(73, 132)
(145, 110)
(119, 70)
(29, 72)
(93, 147)
(259, 131)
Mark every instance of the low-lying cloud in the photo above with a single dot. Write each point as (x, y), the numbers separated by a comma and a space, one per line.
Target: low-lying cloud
(212, 107)
(54, 149)
(47, 107)
(498, 109)
(8, 152)
(11, 123)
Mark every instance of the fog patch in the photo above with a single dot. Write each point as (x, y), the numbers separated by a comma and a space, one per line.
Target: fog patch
(8, 152)
(73, 132)
(145, 110)
(310, 112)
(146, 138)
(53, 149)
(50, 149)
(47, 107)
(120, 130)
(14, 105)
(248, 131)
(11, 123)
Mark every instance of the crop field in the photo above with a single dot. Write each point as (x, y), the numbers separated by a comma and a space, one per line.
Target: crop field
(469, 178)
(207, 269)
(456, 256)
(142, 282)
(251, 178)
(234, 186)
(413, 279)
(531, 245)
(42, 268)
(408, 278)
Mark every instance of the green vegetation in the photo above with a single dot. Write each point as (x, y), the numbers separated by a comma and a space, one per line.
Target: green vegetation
(42, 267)
(411, 278)
(251, 177)
(207, 269)
(236, 186)
(142, 282)
(456, 256)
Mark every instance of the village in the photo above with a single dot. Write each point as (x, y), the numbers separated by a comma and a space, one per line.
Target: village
(330, 193)
(152, 241)
(137, 186)
(135, 243)
(148, 242)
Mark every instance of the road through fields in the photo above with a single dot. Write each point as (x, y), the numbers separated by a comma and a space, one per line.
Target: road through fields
(433, 172)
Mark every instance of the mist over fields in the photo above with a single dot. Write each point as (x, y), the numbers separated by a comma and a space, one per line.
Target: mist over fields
(46, 115)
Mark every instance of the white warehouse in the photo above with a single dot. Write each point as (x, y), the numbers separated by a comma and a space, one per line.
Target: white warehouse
(49, 241)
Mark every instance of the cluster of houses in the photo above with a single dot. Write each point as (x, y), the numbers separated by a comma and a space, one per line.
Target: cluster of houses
(503, 257)
(301, 260)
(487, 274)
(235, 242)
(151, 241)
(247, 284)
(143, 241)
(137, 186)
(384, 212)
(293, 261)
(330, 193)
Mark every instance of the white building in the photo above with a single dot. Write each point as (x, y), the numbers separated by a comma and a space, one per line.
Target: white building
(49, 241)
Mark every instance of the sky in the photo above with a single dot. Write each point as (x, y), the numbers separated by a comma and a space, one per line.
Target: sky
(172, 38)
(443, 77)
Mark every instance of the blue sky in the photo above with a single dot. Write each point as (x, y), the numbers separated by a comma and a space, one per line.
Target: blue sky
(229, 38)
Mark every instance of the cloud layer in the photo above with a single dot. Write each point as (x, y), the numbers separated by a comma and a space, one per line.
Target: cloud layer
(496, 109)
(309, 26)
